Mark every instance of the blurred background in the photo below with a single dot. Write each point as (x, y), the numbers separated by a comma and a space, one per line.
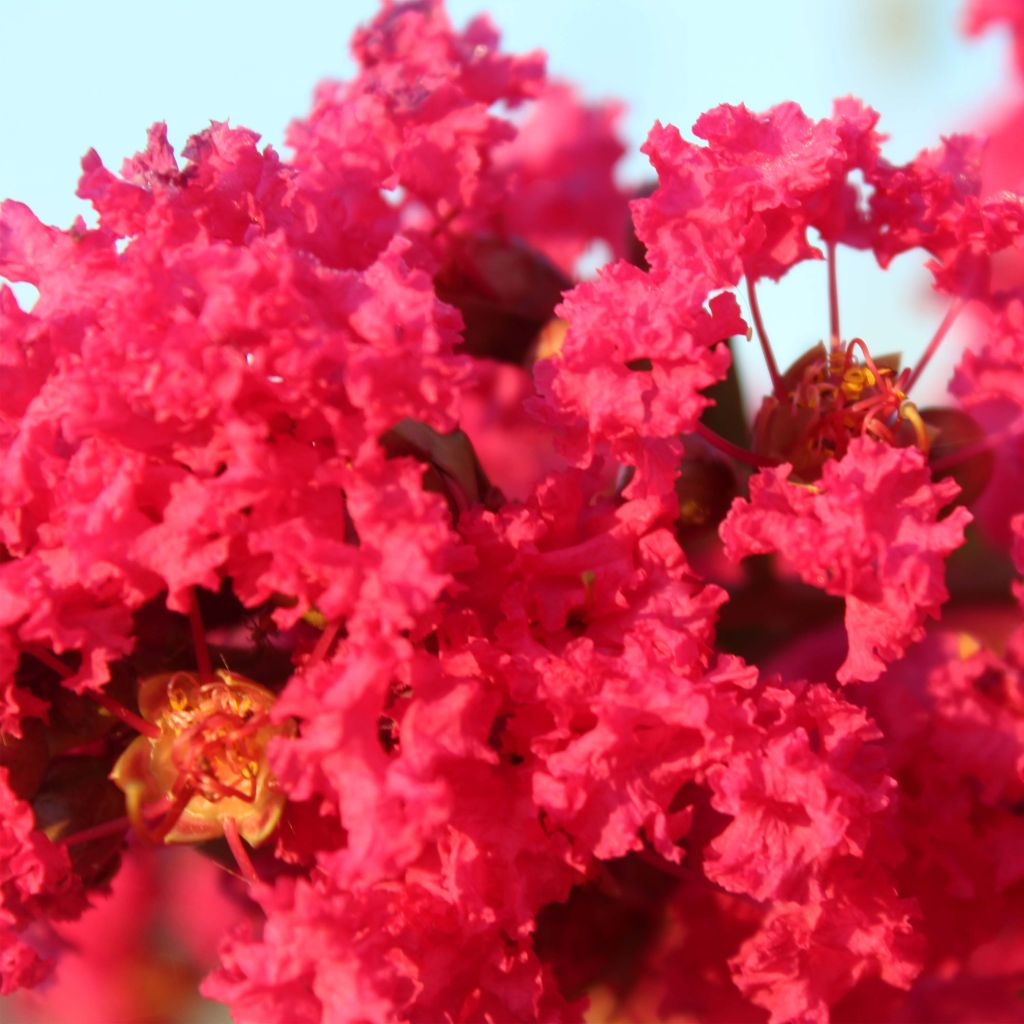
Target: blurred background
(75, 76)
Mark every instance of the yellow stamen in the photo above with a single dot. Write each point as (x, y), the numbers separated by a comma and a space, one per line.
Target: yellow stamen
(967, 645)
(856, 379)
(908, 411)
(692, 512)
(209, 758)
(551, 339)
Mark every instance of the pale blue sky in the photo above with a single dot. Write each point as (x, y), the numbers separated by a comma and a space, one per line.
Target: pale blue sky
(75, 75)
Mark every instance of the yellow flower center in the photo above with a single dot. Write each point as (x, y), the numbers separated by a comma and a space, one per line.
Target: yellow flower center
(208, 762)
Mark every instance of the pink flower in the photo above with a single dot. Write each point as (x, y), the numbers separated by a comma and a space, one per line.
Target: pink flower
(800, 799)
(631, 371)
(562, 162)
(112, 968)
(394, 951)
(418, 114)
(806, 957)
(486, 755)
(742, 204)
(37, 886)
(935, 203)
(868, 532)
(980, 14)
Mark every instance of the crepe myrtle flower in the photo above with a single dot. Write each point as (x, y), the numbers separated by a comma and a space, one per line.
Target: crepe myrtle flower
(350, 542)
(198, 768)
(631, 377)
(739, 209)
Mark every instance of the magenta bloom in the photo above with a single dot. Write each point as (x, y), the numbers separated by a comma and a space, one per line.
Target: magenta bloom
(869, 531)
(447, 601)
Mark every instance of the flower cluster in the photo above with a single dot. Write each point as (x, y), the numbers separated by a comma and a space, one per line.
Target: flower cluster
(350, 540)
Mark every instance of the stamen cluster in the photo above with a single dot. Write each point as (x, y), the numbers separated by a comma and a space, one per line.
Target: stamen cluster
(830, 397)
(207, 762)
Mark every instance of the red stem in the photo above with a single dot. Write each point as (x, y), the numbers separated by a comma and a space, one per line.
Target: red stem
(119, 711)
(734, 451)
(199, 638)
(323, 645)
(49, 660)
(833, 297)
(766, 348)
(239, 851)
(947, 322)
(139, 724)
(106, 828)
(951, 461)
(169, 820)
(986, 444)
(865, 355)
